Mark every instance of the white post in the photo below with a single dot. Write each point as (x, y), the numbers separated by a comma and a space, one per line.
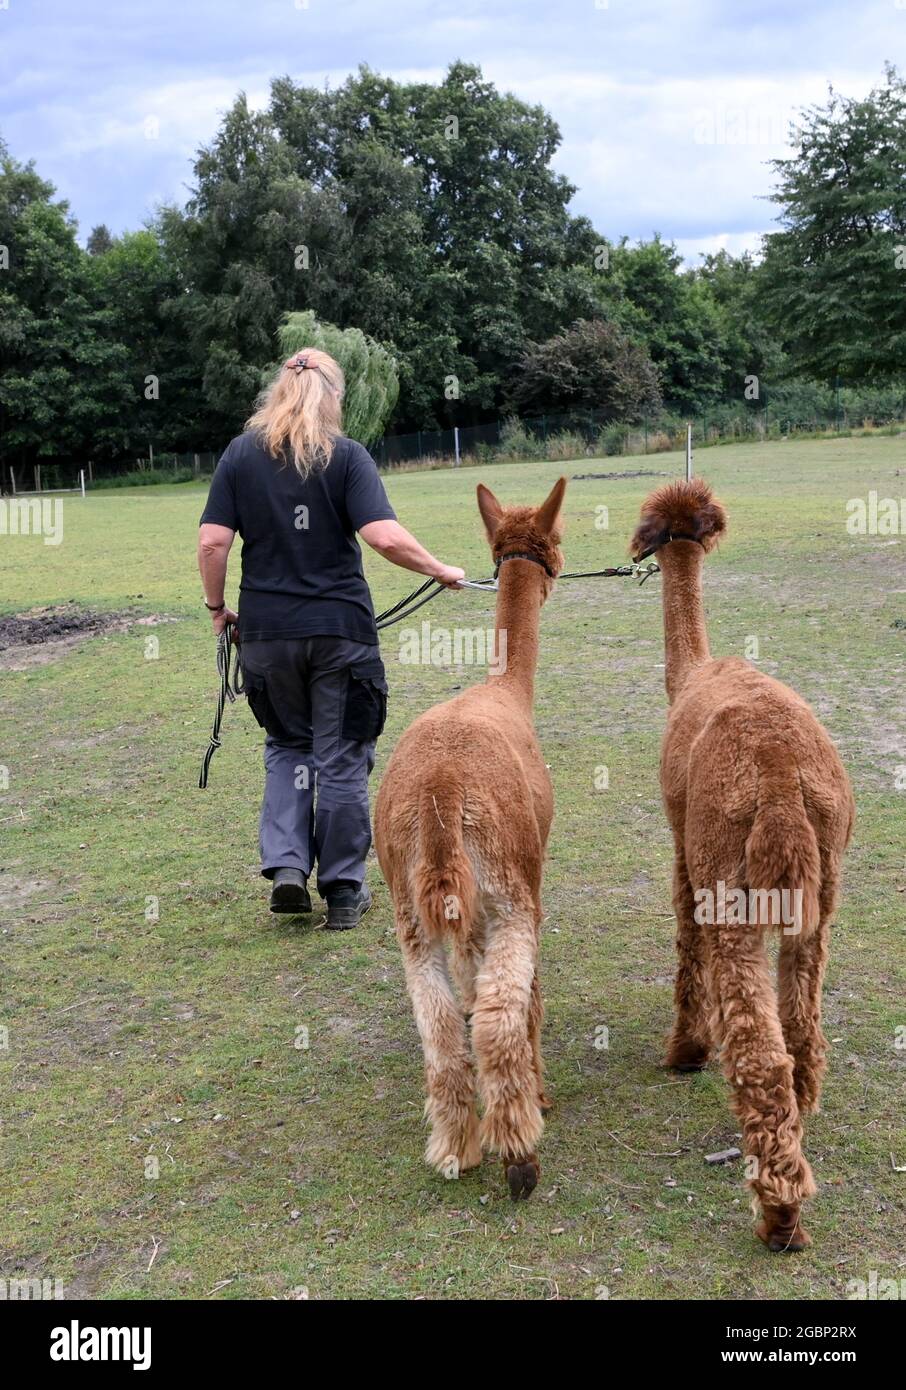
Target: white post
(82, 480)
(688, 453)
(456, 444)
(12, 479)
(151, 454)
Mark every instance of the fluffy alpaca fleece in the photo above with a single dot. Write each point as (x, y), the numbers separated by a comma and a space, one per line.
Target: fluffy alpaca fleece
(461, 823)
(758, 800)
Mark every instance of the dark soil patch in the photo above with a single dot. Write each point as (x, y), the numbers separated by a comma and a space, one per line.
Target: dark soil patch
(43, 634)
(50, 624)
(611, 477)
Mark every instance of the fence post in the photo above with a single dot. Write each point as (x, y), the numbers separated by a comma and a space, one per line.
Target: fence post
(688, 452)
(456, 443)
(82, 480)
(12, 479)
(646, 434)
(90, 472)
(197, 465)
(37, 477)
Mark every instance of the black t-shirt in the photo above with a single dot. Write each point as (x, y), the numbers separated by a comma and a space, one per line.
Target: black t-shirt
(301, 564)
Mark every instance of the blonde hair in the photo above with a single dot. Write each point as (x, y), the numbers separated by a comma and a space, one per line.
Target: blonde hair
(299, 417)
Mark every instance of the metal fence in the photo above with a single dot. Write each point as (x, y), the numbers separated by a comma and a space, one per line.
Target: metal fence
(592, 433)
(567, 435)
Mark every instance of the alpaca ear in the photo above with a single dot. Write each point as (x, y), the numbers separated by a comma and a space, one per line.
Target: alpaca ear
(491, 510)
(547, 514)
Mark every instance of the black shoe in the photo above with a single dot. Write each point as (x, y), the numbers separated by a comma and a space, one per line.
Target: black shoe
(346, 907)
(290, 891)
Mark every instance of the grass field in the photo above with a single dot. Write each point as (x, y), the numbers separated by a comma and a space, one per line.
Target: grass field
(133, 1038)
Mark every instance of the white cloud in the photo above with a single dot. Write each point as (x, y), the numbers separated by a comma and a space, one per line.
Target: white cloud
(669, 113)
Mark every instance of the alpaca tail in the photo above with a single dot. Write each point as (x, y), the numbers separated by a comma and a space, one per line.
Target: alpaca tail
(443, 880)
(783, 862)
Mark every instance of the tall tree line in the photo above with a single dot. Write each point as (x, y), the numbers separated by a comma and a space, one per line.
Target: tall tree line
(429, 217)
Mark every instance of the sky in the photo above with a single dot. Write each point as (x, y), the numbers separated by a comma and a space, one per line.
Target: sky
(669, 109)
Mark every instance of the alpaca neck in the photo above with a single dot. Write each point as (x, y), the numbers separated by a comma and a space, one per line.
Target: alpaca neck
(685, 635)
(516, 625)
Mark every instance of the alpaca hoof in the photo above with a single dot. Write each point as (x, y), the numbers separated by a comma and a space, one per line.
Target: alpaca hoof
(687, 1056)
(522, 1175)
(545, 1104)
(782, 1232)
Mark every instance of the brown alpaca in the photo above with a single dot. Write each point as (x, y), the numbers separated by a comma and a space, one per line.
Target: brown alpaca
(461, 823)
(758, 800)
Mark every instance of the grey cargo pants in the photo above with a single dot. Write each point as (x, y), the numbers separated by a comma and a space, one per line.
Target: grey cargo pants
(322, 702)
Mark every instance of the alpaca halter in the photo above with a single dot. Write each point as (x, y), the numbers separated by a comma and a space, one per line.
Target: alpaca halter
(523, 555)
(665, 538)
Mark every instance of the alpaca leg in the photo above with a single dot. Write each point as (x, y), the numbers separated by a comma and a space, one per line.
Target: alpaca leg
(535, 1020)
(758, 1066)
(690, 1040)
(508, 1079)
(465, 958)
(453, 1144)
(800, 977)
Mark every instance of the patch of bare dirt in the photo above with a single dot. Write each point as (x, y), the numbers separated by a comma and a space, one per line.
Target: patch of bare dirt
(609, 477)
(42, 635)
(15, 891)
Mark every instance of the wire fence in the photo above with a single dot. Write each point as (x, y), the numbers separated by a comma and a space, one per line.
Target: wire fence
(594, 434)
(562, 436)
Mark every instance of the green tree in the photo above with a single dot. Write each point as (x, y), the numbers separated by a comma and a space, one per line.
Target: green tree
(233, 252)
(747, 344)
(671, 311)
(99, 240)
(834, 277)
(372, 378)
(64, 380)
(139, 285)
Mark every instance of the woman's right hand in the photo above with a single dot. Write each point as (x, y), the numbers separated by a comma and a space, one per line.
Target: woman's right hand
(450, 576)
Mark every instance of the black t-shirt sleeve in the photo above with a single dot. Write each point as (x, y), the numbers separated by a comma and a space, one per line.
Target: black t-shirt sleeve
(365, 497)
(221, 508)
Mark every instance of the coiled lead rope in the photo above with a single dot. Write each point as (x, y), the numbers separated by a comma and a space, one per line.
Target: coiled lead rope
(230, 687)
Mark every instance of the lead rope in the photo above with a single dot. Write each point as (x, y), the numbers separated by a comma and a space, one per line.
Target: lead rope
(227, 654)
(228, 649)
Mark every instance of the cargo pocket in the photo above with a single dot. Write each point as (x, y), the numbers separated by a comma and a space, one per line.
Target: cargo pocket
(260, 704)
(366, 701)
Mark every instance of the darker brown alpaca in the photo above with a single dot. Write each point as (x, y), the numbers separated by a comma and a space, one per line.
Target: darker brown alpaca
(758, 800)
(460, 826)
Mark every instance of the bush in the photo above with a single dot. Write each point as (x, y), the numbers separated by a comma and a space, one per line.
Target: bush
(612, 440)
(516, 442)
